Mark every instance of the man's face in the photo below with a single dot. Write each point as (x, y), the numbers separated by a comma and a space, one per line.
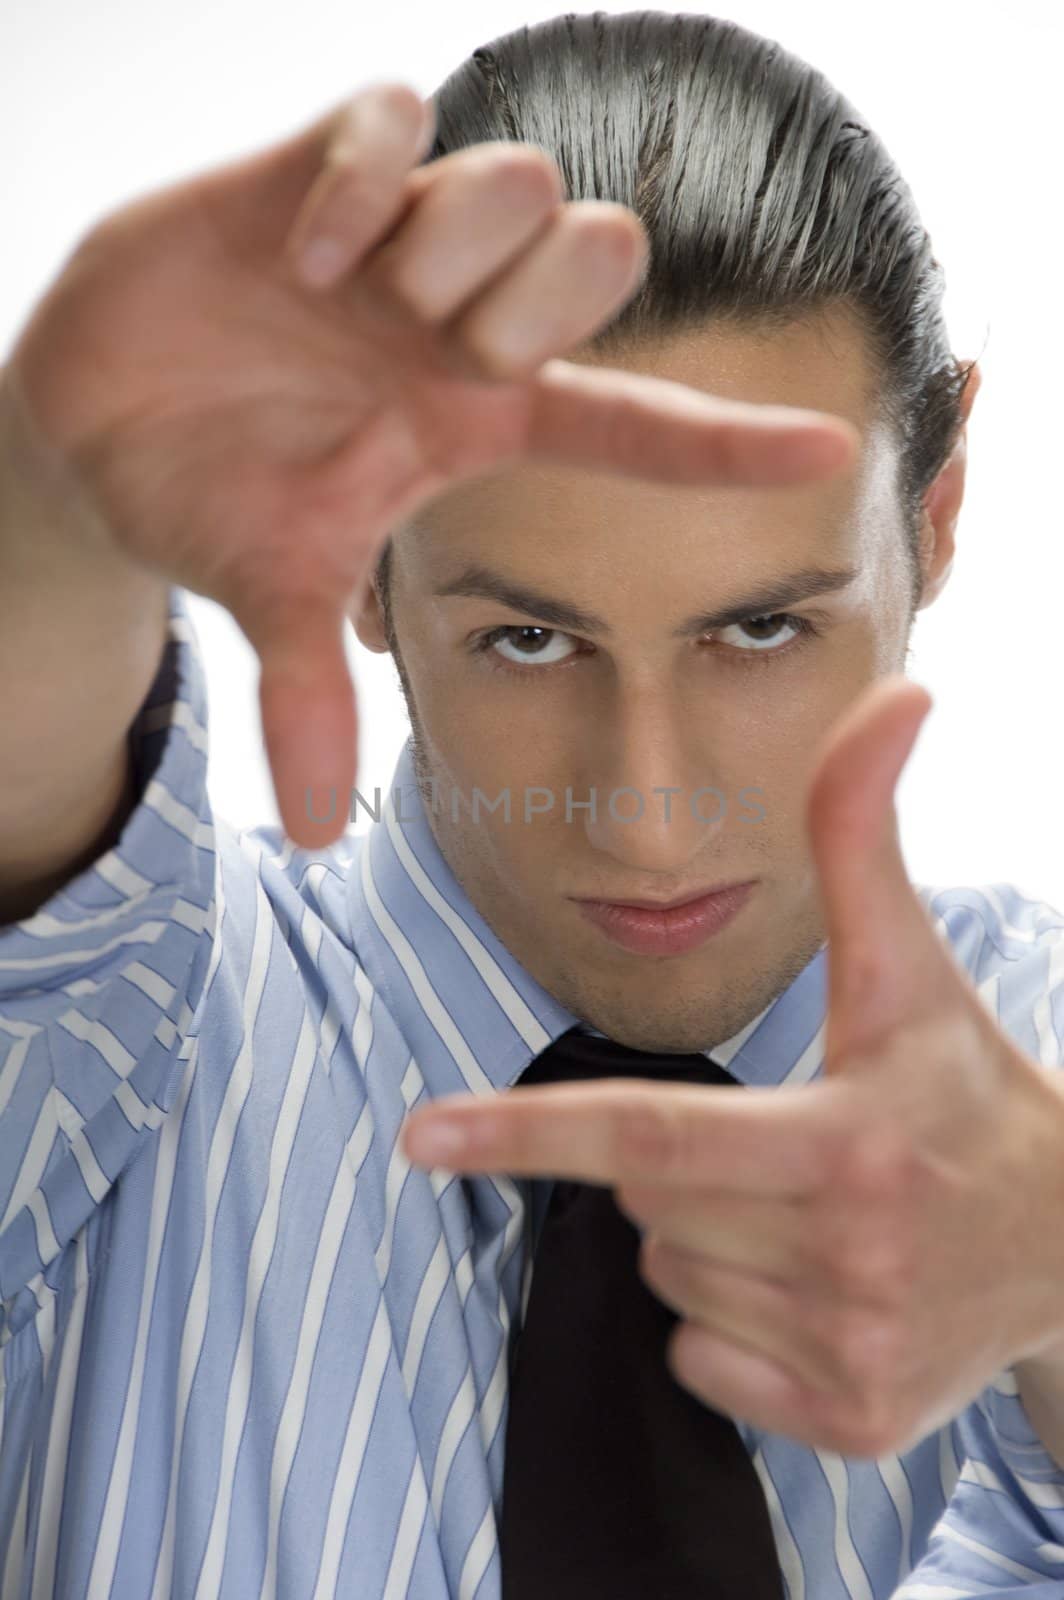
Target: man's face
(642, 700)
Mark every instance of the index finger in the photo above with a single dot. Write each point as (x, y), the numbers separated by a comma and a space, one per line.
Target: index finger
(648, 427)
(763, 1141)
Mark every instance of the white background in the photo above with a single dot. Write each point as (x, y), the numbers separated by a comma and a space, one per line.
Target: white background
(105, 101)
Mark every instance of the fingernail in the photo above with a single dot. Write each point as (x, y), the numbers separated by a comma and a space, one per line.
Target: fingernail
(321, 262)
(437, 1139)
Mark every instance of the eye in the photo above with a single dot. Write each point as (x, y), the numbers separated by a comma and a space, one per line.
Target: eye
(516, 648)
(528, 644)
(767, 643)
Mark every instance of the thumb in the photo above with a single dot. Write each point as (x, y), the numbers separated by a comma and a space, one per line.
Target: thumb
(885, 961)
(309, 716)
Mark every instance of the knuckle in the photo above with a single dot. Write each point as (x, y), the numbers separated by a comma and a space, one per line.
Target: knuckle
(827, 1139)
(876, 1431)
(875, 1164)
(651, 1137)
(867, 1437)
(620, 427)
(481, 345)
(526, 165)
(867, 1349)
(626, 1197)
(354, 187)
(865, 1430)
(731, 447)
(840, 1437)
(870, 1259)
(451, 448)
(868, 1265)
(403, 273)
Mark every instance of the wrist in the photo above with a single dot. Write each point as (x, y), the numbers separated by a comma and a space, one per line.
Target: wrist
(44, 508)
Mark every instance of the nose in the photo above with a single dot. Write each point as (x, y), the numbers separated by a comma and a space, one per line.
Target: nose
(656, 809)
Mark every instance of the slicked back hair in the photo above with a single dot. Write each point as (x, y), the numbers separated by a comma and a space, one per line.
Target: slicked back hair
(763, 192)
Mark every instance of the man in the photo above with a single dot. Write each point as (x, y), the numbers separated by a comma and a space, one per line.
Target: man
(250, 1348)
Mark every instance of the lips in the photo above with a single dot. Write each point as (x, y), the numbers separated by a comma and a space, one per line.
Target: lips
(666, 905)
(666, 930)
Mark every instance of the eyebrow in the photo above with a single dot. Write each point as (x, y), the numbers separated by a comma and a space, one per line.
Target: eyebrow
(477, 582)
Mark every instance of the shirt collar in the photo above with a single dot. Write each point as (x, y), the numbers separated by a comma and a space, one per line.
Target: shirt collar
(471, 1013)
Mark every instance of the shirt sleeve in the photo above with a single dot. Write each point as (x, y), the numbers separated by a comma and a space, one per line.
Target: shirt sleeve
(1002, 1531)
(98, 989)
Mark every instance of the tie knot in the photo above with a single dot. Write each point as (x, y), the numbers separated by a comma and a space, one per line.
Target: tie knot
(576, 1055)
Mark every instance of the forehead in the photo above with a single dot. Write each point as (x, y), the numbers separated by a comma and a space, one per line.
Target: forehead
(583, 522)
(819, 357)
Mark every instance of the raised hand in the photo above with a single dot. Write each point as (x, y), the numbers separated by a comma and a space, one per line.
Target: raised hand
(253, 430)
(855, 1258)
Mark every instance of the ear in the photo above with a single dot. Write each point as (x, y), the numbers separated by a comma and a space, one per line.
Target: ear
(368, 622)
(942, 504)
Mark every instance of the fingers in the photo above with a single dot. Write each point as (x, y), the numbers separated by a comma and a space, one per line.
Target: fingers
(482, 235)
(472, 213)
(507, 272)
(356, 197)
(649, 427)
(586, 263)
(309, 718)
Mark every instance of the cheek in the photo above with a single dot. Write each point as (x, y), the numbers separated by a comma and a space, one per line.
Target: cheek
(489, 764)
(507, 866)
(495, 734)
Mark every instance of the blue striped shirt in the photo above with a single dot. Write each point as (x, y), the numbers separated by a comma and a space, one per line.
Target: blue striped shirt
(247, 1349)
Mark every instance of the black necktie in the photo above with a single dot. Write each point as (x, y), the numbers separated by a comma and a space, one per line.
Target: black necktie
(618, 1483)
